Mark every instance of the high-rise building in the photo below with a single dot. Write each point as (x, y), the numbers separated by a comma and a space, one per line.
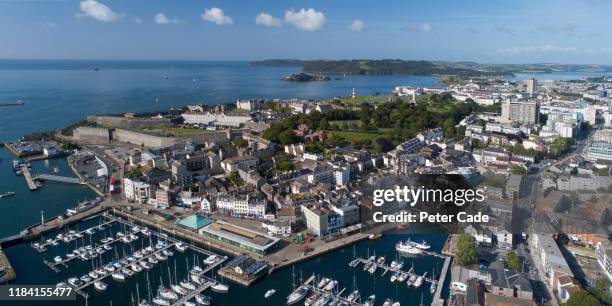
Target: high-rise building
(532, 86)
(521, 111)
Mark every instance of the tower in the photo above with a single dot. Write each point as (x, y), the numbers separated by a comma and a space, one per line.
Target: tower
(354, 93)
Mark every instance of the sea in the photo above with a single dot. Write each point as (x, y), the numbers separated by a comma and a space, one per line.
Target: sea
(57, 93)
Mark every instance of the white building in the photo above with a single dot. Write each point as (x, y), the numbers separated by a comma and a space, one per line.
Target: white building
(242, 206)
(604, 258)
(138, 191)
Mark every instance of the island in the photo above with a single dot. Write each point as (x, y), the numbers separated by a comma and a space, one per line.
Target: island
(305, 77)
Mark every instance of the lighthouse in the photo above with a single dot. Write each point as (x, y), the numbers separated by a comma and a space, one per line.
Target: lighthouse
(354, 93)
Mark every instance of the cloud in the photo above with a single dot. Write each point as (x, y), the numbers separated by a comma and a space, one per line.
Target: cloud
(137, 20)
(537, 49)
(419, 27)
(161, 18)
(357, 25)
(216, 16)
(306, 20)
(567, 29)
(268, 20)
(49, 24)
(503, 30)
(472, 30)
(98, 11)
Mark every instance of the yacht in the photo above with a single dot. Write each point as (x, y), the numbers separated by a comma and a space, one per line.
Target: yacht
(85, 278)
(370, 300)
(136, 268)
(127, 272)
(297, 295)
(353, 296)
(394, 277)
(353, 263)
(388, 302)
(210, 259)
(218, 287)
(411, 280)
(57, 259)
(433, 288)
(93, 274)
(158, 300)
(187, 285)
(181, 247)
(323, 282)
(203, 299)
(7, 194)
(159, 256)
(407, 248)
(331, 285)
(118, 276)
(100, 286)
(402, 277)
(167, 294)
(269, 293)
(178, 289)
(418, 282)
(75, 282)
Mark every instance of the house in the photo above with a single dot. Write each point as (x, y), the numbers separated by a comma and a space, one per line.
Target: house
(505, 282)
(482, 236)
(604, 258)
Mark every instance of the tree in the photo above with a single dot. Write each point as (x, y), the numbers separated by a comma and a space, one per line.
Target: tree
(448, 128)
(603, 284)
(324, 124)
(241, 143)
(514, 262)
(582, 298)
(235, 178)
(287, 137)
(285, 165)
(383, 145)
(466, 253)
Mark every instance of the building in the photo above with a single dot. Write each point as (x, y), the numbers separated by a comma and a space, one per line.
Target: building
(163, 197)
(342, 174)
(505, 282)
(604, 258)
(532, 86)
(194, 222)
(250, 104)
(555, 266)
(232, 164)
(599, 150)
(521, 111)
(240, 237)
(242, 205)
(277, 227)
(138, 191)
(321, 221)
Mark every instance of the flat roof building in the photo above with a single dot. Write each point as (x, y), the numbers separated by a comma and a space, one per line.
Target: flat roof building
(249, 240)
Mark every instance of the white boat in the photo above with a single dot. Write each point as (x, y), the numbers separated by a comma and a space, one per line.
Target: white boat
(423, 245)
(145, 265)
(323, 282)
(89, 231)
(187, 285)
(353, 296)
(400, 265)
(269, 293)
(196, 279)
(210, 259)
(396, 304)
(109, 268)
(136, 268)
(402, 277)
(297, 295)
(407, 248)
(100, 286)
(188, 303)
(168, 294)
(168, 253)
(93, 274)
(221, 288)
(118, 276)
(394, 277)
(418, 282)
(178, 289)
(158, 300)
(331, 285)
(433, 288)
(196, 269)
(57, 259)
(153, 260)
(181, 247)
(159, 256)
(411, 280)
(388, 302)
(353, 263)
(101, 272)
(85, 278)
(394, 264)
(127, 272)
(144, 303)
(203, 299)
(370, 300)
(373, 268)
(74, 281)
(107, 247)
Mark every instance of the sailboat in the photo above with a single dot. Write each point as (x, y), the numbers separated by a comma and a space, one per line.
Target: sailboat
(297, 294)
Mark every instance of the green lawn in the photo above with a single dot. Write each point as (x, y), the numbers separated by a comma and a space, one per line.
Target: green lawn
(351, 136)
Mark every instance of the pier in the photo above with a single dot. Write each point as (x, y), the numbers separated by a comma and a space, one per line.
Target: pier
(43, 246)
(7, 273)
(58, 178)
(437, 298)
(386, 268)
(28, 178)
(312, 286)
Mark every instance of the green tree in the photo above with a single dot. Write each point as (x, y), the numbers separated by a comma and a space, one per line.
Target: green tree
(582, 298)
(514, 262)
(285, 165)
(287, 137)
(241, 143)
(466, 252)
(324, 124)
(235, 178)
(448, 128)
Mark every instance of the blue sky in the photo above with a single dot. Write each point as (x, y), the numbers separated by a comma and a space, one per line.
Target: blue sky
(561, 31)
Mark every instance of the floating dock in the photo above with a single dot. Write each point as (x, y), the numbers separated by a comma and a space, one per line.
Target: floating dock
(310, 284)
(28, 178)
(386, 268)
(58, 178)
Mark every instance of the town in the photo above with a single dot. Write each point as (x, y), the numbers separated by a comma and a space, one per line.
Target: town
(275, 182)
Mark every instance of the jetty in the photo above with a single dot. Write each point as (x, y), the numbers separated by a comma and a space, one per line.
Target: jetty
(57, 178)
(310, 283)
(28, 178)
(386, 268)
(437, 298)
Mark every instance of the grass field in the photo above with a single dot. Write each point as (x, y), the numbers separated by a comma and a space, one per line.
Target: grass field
(351, 136)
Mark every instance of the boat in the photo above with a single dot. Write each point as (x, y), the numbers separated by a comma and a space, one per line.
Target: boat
(323, 282)
(136, 268)
(370, 300)
(374, 236)
(372, 269)
(196, 270)
(153, 260)
(57, 259)
(394, 277)
(203, 299)
(311, 299)
(394, 264)
(158, 300)
(418, 282)
(127, 272)
(297, 295)
(366, 265)
(100, 286)
(411, 280)
(145, 265)
(118, 276)
(159, 256)
(220, 288)
(181, 247)
(400, 265)
(168, 253)
(433, 288)
(402, 277)
(75, 282)
(188, 303)
(109, 268)
(331, 285)
(381, 260)
(167, 294)
(388, 302)
(269, 293)
(353, 263)
(210, 259)
(407, 248)
(93, 274)
(61, 285)
(187, 285)
(85, 278)
(353, 296)
(396, 304)
(7, 194)
(323, 300)
(178, 289)
(144, 303)
(423, 245)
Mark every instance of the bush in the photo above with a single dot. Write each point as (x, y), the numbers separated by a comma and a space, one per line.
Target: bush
(466, 253)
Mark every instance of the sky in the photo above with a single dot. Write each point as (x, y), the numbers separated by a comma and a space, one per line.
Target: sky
(484, 31)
